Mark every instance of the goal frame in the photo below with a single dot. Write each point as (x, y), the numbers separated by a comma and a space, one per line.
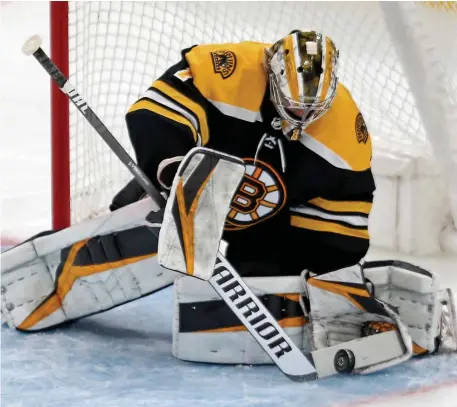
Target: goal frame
(60, 118)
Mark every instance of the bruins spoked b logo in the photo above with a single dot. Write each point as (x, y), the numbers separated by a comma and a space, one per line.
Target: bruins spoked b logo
(224, 62)
(361, 130)
(261, 195)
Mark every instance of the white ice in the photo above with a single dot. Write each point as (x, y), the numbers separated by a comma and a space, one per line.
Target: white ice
(123, 357)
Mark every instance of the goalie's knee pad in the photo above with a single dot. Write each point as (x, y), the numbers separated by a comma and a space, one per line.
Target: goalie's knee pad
(427, 311)
(82, 270)
(206, 330)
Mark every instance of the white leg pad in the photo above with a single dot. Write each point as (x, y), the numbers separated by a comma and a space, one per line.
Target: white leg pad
(205, 330)
(82, 270)
(414, 293)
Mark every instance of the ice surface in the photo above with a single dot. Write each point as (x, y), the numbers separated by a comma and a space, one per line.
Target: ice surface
(123, 357)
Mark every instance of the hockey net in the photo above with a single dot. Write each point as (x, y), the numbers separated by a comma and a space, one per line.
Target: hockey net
(398, 60)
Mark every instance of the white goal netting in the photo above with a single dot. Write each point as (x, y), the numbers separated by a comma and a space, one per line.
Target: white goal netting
(399, 60)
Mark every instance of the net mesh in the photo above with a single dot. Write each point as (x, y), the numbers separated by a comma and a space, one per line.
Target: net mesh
(118, 48)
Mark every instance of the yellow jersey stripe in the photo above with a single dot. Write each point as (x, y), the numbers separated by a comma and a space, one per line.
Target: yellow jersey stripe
(189, 104)
(331, 227)
(154, 107)
(342, 206)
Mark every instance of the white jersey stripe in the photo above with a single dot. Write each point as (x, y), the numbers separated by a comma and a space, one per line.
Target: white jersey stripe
(353, 220)
(323, 151)
(237, 112)
(157, 97)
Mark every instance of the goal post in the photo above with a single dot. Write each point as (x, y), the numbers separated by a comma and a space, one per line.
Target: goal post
(398, 60)
(60, 119)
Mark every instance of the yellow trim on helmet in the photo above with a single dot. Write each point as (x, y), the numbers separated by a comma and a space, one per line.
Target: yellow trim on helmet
(291, 67)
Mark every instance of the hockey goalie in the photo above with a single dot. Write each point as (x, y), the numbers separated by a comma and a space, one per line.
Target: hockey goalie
(293, 221)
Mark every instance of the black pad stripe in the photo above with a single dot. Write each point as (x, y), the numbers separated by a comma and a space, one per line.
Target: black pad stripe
(197, 178)
(135, 242)
(397, 263)
(209, 315)
(370, 305)
(110, 248)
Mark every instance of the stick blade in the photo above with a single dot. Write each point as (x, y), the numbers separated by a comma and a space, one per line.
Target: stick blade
(32, 45)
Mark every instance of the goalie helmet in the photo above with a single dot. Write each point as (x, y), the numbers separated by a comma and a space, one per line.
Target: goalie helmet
(302, 70)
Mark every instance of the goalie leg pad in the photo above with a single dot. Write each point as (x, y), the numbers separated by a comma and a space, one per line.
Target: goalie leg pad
(206, 330)
(196, 210)
(415, 294)
(342, 312)
(82, 270)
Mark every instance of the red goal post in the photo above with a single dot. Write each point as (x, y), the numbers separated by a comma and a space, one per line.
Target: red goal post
(397, 58)
(60, 118)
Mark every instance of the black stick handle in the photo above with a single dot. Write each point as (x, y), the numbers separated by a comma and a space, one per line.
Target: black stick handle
(33, 47)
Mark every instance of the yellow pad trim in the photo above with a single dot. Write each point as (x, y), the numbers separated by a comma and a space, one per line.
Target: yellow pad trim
(187, 220)
(418, 350)
(284, 323)
(340, 289)
(291, 297)
(66, 281)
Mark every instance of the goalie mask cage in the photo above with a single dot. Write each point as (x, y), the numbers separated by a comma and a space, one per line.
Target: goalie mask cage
(399, 60)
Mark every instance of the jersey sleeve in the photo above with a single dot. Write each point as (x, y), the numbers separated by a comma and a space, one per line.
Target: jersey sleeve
(332, 222)
(168, 120)
(331, 230)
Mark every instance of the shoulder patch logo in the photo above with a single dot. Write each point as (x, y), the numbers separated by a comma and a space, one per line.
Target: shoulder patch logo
(224, 62)
(361, 130)
(261, 195)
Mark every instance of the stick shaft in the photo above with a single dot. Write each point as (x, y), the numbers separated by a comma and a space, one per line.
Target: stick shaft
(98, 125)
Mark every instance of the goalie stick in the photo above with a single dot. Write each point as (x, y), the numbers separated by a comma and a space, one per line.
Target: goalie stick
(225, 279)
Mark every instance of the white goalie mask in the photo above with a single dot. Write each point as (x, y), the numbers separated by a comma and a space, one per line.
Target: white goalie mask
(302, 70)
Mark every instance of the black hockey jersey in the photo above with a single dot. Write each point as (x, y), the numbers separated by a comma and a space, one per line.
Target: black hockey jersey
(302, 204)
